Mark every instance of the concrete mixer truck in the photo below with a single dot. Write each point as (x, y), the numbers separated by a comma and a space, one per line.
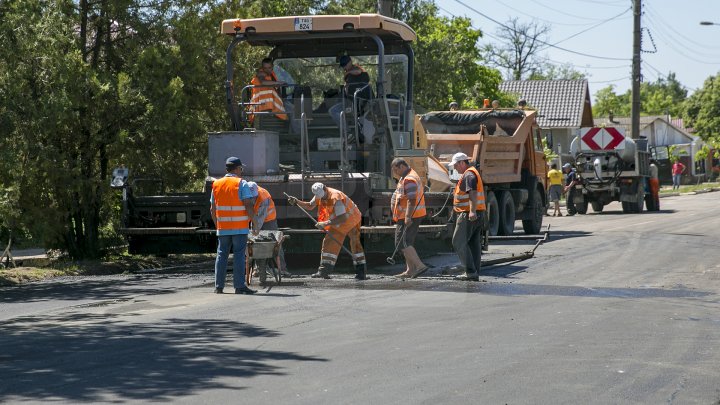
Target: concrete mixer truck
(610, 167)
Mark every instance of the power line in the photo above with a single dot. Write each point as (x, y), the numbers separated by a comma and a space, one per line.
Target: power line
(538, 40)
(619, 79)
(594, 26)
(564, 13)
(538, 18)
(653, 15)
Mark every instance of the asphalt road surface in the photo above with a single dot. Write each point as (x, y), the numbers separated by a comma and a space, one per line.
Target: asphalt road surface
(613, 309)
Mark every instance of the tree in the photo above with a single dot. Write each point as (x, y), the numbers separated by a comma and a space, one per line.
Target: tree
(702, 110)
(550, 71)
(518, 51)
(666, 96)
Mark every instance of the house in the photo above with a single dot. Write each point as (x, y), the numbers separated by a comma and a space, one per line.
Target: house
(563, 108)
(664, 137)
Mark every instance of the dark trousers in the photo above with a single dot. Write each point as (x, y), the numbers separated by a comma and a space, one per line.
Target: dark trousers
(570, 202)
(467, 242)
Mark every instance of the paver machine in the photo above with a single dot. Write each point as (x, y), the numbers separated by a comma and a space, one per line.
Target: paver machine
(299, 142)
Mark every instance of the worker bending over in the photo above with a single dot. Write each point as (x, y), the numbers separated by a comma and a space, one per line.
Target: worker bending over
(339, 217)
(265, 218)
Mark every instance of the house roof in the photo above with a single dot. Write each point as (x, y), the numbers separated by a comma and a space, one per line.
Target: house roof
(560, 103)
(645, 121)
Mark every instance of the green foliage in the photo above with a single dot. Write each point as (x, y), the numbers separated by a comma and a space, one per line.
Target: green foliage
(551, 71)
(702, 111)
(663, 97)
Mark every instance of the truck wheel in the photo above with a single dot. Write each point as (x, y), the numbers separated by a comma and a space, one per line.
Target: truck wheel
(650, 203)
(626, 207)
(582, 207)
(491, 205)
(506, 207)
(597, 206)
(533, 225)
(639, 203)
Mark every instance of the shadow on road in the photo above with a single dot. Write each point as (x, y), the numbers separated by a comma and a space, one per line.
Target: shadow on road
(604, 213)
(93, 358)
(82, 289)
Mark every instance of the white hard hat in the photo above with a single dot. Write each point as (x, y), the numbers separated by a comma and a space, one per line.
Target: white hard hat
(318, 190)
(253, 188)
(458, 157)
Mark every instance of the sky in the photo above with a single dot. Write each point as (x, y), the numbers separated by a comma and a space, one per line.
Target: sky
(596, 36)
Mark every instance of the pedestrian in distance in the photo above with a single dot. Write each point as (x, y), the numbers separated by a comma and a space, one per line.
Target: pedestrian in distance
(469, 208)
(522, 104)
(231, 208)
(555, 191)
(454, 106)
(571, 181)
(339, 217)
(408, 208)
(677, 171)
(265, 218)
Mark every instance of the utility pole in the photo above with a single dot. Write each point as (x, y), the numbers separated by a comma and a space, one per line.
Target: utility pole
(636, 75)
(385, 7)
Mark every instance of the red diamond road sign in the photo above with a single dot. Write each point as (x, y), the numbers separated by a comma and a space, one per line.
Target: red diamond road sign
(601, 138)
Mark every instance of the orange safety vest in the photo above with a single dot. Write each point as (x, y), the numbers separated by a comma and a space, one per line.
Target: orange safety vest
(229, 209)
(461, 200)
(326, 208)
(265, 98)
(262, 196)
(400, 200)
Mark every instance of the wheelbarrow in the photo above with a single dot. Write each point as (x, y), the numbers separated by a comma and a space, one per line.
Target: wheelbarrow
(263, 255)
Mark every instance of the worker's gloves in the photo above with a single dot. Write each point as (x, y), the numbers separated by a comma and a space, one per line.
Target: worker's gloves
(292, 200)
(321, 225)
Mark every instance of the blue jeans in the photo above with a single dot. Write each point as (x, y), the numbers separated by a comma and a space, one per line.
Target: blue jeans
(676, 180)
(238, 243)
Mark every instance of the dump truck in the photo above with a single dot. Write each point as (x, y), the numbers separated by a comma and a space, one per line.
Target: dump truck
(287, 151)
(611, 167)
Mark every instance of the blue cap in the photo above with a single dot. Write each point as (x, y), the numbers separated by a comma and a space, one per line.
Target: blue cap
(232, 161)
(344, 60)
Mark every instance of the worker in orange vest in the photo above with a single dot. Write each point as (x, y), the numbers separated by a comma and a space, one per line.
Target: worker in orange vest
(265, 96)
(231, 208)
(339, 217)
(266, 217)
(408, 208)
(469, 207)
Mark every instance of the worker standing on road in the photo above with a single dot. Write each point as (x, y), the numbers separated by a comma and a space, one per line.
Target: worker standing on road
(556, 188)
(231, 207)
(570, 181)
(469, 206)
(265, 218)
(408, 207)
(654, 182)
(339, 217)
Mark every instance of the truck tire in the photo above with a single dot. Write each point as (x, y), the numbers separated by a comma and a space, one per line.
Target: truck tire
(533, 225)
(640, 199)
(506, 210)
(491, 205)
(626, 207)
(582, 207)
(597, 206)
(650, 203)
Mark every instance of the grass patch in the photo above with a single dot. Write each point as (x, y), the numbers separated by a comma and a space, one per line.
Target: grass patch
(114, 264)
(690, 188)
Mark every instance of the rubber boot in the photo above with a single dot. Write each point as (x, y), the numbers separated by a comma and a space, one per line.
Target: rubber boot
(360, 272)
(323, 271)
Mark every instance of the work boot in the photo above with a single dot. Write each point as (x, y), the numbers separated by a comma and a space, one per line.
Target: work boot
(245, 290)
(468, 277)
(323, 271)
(360, 272)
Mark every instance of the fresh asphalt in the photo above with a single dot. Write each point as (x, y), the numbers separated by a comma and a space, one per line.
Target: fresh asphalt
(614, 308)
